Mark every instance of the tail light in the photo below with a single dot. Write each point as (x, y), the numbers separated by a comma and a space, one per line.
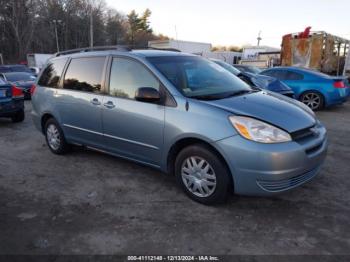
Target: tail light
(339, 84)
(32, 89)
(17, 92)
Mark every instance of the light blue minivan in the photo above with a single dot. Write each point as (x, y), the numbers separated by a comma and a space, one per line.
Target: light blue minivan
(182, 114)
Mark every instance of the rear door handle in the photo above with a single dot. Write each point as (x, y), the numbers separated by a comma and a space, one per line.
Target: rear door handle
(95, 102)
(109, 105)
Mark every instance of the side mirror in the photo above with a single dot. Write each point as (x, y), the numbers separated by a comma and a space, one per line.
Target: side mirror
(147, 94)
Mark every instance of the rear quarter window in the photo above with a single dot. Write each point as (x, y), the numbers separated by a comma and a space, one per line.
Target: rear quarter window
(52, 73)
(294, 76)
(85, 74)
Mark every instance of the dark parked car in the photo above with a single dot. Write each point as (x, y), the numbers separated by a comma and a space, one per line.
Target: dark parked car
(22, 80)
(11, 102)
(255, 80)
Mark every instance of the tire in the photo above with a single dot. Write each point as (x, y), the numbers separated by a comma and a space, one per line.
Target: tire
(312, 99)
(18, 117)
(210, 170)
(55, 138)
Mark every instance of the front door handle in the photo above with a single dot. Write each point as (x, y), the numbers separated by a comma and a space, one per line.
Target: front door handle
(95, 102)
(109, 105)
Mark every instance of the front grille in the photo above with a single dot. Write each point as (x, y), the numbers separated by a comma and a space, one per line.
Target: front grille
(303, 133)
(314, 149)
(281, 185)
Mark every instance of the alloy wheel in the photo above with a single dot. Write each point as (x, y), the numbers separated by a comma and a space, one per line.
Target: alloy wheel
(312, 100)
(53, 137)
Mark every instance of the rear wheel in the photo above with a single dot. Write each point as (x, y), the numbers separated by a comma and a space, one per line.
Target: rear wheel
(55, 138)
(313, 99)
(202, 174)
(18, 117)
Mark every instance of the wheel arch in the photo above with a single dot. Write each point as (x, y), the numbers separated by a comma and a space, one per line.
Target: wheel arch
(46, 116)
(324, 97)
(188, 141)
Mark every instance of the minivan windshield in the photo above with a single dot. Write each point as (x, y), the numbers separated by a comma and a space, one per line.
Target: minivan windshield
(228, 67)
(199, 78)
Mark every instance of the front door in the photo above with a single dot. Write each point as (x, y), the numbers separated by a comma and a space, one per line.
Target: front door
(131, 128)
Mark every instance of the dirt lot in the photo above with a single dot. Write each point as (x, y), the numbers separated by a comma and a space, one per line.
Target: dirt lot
(90, 203)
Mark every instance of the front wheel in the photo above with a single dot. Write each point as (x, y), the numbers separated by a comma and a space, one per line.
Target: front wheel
(202, 175)
(313, 99)
(55, 138)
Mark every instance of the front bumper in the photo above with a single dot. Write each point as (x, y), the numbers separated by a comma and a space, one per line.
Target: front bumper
(266, 169)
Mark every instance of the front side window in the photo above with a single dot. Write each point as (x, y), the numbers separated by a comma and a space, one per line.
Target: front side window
(228, 67)
(52, 73)
(85, 74)
(199, 78)
(127, 76)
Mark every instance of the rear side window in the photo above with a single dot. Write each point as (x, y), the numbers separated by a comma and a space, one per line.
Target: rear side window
(52, 73)
(293, 76)
(85, 74)
(127, 76)
(279, 74)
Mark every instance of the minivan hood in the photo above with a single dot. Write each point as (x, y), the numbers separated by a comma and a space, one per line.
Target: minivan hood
(272, 108)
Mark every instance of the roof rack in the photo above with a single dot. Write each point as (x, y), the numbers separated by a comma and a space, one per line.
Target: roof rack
(122, 48)
(95, 48)
(164, 49)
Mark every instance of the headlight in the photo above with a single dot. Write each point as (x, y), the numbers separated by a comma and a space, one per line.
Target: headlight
(259, 131)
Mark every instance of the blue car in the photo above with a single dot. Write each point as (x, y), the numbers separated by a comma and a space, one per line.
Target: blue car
(256, 80)
(314, 89)
(11, 102)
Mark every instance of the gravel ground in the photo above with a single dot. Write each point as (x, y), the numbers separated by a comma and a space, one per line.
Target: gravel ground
(90, 203)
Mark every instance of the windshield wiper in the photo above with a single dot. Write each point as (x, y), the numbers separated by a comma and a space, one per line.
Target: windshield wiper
(207, 97)
(238, 93)
(222, 95)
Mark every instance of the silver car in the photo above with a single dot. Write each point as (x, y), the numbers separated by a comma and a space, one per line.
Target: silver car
(182, 114)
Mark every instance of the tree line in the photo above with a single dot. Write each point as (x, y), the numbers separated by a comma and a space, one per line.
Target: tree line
(30, 26)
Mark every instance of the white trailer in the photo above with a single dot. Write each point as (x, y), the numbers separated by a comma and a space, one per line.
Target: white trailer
(226, 56)
(183, 46)
(37, 60)
(252, 52)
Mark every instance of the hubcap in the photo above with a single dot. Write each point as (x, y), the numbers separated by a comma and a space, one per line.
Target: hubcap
(53, 137)
(198, 176)
(312, 100)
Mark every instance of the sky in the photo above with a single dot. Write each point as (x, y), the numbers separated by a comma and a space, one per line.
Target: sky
(238, 22)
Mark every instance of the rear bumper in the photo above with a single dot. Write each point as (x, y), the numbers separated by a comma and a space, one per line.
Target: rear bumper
(267, 169)
(338, 97)
(10, 107)
(36, 120)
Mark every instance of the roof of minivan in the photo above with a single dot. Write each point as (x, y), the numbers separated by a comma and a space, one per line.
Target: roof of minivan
(140, 53)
